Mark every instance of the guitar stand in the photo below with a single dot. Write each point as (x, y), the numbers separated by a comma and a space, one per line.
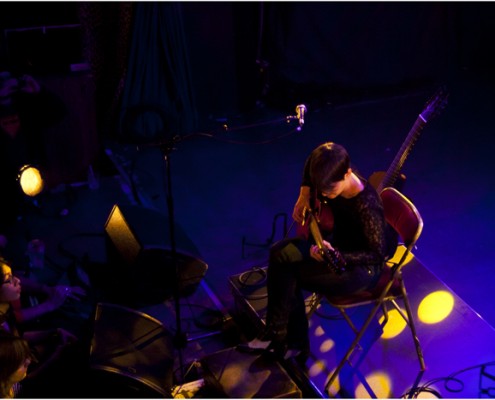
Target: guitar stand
(270, 240)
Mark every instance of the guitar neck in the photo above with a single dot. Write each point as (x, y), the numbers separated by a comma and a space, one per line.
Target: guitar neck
(315, 231)
(400, 158)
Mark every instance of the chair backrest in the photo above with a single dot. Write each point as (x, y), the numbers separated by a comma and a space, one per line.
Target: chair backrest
(402, 215)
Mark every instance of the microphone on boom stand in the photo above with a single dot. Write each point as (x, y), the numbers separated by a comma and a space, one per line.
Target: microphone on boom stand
(300, 113)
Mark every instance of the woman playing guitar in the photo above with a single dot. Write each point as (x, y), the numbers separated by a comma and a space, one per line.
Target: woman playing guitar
(347, 260)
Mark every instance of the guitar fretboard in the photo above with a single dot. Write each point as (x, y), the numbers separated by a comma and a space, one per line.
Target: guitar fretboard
(399, 160)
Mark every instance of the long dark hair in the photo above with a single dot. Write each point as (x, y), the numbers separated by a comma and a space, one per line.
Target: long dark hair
(329, 164)
(14, 351)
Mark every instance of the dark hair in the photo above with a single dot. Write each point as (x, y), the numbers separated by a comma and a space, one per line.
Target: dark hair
(14, 350)
(329, 164)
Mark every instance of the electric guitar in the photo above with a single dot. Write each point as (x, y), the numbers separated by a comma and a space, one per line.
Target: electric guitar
(434, 105)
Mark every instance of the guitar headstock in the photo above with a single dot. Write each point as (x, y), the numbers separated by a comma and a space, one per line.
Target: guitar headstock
(435, 104)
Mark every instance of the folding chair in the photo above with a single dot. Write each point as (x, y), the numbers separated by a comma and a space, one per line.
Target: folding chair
(403, 216)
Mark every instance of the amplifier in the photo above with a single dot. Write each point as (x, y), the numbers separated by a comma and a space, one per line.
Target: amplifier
(250, 296)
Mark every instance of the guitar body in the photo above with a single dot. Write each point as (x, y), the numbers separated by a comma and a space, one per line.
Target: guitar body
(381, 179)
(324, 218)
(377, 177)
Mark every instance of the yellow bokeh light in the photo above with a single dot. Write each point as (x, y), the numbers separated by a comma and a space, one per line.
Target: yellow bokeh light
(317, 368)
(436, 307)
(327, 345)
(31, 181)
(380, 384)
(334, 388)
(319, 331)
(395, 325)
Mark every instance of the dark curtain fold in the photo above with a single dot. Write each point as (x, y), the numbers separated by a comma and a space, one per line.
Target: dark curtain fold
(158, 91)
(106, 30)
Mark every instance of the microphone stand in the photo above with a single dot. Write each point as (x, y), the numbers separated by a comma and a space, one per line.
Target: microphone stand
(166, 147)
(179, 339)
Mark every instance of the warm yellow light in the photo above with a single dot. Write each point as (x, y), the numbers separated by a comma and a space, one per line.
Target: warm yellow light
(319, 331)
(317, 368)
(31, 181)
(334, 388)
(380, 384)
(436, 307)
(327, 345)
(398, 254)
(395, 325)
(426, 395)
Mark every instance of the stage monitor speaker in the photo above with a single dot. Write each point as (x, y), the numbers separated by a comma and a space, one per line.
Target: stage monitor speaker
(131, 353)
(139, 250)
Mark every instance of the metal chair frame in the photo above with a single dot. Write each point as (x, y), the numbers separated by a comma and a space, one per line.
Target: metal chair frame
(406, 220)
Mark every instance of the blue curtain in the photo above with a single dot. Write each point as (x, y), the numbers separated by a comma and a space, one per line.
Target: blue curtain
(158, 100)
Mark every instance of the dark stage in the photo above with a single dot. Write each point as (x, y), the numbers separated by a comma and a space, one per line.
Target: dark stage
(194, 105)
(231, 195)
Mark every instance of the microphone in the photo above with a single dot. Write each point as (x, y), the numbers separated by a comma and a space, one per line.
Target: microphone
(300, 111)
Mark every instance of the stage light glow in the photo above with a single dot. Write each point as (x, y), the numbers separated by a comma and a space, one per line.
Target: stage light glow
(319, 331)
(327, 345)
(435, 307)
(395, 325)
(31, 180)
(379, 382)
(426, 395)
(316, 368)
(398, 254)
(334, 388)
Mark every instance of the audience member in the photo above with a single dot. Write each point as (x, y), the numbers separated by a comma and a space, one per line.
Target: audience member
(52, 349)
(48, 299)
(15, 358)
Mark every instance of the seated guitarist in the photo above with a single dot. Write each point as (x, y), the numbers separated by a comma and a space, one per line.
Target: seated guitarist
(348, 260)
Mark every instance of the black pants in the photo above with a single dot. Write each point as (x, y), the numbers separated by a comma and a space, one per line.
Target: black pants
(292, 270)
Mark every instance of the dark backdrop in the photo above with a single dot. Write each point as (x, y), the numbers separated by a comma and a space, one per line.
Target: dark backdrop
(236, 56)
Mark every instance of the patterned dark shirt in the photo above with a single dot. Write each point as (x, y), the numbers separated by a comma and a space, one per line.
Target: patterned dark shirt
(359, 227)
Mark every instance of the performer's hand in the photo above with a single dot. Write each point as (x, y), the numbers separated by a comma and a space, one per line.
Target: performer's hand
(315, 252)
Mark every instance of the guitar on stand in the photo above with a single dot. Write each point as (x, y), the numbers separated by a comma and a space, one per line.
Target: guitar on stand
(380, 179)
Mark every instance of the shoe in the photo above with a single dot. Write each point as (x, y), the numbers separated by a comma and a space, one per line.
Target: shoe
(255, 346)
(272, 348)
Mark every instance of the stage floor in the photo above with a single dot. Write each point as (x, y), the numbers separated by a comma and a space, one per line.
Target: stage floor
(458, 345)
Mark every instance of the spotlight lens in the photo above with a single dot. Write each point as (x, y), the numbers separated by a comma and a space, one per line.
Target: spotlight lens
(31, 182)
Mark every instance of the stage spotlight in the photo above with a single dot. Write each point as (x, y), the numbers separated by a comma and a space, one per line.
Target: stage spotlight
(436, 307)
(31, 180)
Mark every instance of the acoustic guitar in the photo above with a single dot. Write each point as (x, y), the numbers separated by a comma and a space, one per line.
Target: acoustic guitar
(333, 259)
(434, 105)
(322, 214)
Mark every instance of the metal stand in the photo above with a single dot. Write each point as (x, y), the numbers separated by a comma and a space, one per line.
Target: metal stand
(179, 340)
(166, 147)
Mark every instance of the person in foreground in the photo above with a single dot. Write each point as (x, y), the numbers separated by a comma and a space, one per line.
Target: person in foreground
(357, 242)
(50, 349)
(15, 357)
